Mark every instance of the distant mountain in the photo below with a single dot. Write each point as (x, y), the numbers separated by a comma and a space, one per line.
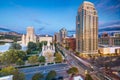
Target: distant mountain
(5, 30)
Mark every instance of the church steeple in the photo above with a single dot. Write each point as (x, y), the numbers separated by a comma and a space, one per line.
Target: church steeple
(48, 43)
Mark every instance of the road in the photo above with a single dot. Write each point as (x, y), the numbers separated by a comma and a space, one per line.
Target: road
(59, 68)
(83, 66)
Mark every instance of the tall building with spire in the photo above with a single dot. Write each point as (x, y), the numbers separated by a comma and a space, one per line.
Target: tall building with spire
(29, 37)
(87, 28)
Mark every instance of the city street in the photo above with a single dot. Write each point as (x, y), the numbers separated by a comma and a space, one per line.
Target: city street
(83, 66)
(59, 68)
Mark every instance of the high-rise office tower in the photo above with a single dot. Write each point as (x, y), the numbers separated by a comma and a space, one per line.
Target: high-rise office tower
(87, 28)
(63, 35)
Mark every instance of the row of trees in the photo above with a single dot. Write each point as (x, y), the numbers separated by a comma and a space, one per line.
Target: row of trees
(35, 59)
(17, 75)
(13, 57)
(12, 37)
(41, 59)
(34, 48)
(50, 76)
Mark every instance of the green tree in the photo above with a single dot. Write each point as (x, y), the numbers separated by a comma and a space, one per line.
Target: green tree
(77, 53)
(32, 46)
(33, 59)
(73, 70)
(15, 46)
(67, 47)
(39, 46)
(12, 56)
(44, 42)
(37, 76)
(20, 62)
(58, 57)
(12, 71)
(88, 77)
(41, 59)
(51, 75)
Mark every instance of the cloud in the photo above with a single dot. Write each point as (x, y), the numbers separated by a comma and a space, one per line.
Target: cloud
(113, 7)
(4, 29)
(113, 26)
(107, 6)
(114, 22)
(101, 3)
(42, 28)
(40, 22)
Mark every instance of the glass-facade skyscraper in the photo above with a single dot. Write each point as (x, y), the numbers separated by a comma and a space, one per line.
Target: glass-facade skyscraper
(87, 28)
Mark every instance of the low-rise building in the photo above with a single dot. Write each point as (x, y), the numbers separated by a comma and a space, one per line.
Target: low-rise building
(71, 43)
(106, 39)
(109, 50)
(45, 38)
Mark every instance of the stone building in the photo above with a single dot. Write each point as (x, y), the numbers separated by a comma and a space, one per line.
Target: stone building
(45, 38)
(29, 37)
(48, 52)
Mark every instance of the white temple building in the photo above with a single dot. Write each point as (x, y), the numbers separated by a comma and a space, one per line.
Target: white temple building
(30, 36)
(48, 52)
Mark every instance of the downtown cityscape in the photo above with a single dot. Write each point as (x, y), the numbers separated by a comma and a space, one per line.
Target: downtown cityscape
(60, 40)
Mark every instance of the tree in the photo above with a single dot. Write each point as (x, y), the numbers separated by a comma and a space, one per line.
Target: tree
(7, 70)
(32, 46)
(41, 59)
(51, 75)
(73, 70)
(44, 42)
(77, 53)
(39, 46)
(20, 62)
(12, 56)
(12, 71)
(58, 57)
(67, 47)
(37, 76)
(33, 59)
(15, 46)
(88, 77)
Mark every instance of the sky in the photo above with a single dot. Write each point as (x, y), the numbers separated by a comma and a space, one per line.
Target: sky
(49, 16)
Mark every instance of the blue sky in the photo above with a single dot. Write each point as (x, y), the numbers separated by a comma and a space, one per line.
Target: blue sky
(48, 16)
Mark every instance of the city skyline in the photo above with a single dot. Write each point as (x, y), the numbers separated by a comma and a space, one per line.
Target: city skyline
(48, 17)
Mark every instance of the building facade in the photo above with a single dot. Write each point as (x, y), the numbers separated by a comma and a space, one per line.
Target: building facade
(48, 52)
(63, 35)
(109, 50)
(71, 43)
(87, 28)
(29, 37)
(46, 38)
(108, 40)
(57, 37)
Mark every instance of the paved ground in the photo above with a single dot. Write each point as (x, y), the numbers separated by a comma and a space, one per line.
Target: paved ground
(83, 65)
(59, 68)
